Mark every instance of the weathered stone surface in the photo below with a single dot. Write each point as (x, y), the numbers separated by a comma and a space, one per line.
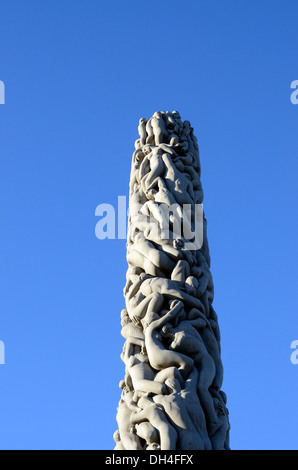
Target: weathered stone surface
(171, 395)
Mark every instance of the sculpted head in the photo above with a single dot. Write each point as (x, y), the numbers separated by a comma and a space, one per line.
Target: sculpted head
(116, 436)
(157, 337)
(150, 193)
(122, 384)
(124, 317)
(138, 158)
(191, 285)
(167, 331)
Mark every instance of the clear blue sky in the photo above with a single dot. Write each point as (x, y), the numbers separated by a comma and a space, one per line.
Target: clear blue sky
(78, 77)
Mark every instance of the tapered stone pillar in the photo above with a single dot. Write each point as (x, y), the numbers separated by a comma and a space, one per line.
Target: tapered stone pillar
(171, 394)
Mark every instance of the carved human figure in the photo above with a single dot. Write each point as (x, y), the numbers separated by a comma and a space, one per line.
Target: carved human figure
(144, 254)
(142, 375)
(159, 356)
(187, 341)
(159, 128)
(142, 131)
(129, 439)
(194, 408)
(154, 413)
(139, 305)
(129, 329)
(207, 331)
(117, 438)
(179, 185)
(220, 440)
(148, 432)
(175, 407)
(152, 167)
(170, 289)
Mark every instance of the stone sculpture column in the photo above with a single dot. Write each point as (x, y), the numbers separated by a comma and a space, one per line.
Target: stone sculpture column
(171, 394)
